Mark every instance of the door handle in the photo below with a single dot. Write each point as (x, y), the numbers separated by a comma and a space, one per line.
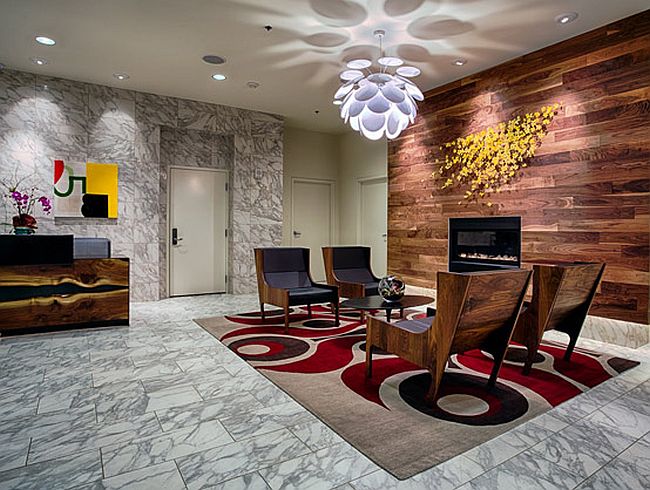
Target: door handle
(297, 234)
(175, 237)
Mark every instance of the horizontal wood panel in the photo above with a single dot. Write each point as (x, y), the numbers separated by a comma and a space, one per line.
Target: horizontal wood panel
(86, 292)
(586, 194)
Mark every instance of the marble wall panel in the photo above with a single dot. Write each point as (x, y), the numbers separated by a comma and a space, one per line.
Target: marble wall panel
(42, 118)
(197, 115)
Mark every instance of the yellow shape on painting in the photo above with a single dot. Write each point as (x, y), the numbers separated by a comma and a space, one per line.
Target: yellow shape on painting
(101, 178)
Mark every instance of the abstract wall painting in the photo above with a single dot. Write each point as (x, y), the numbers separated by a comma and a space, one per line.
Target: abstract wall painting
(85, 191)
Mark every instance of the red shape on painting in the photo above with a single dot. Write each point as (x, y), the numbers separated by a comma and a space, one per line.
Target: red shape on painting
(58, 170)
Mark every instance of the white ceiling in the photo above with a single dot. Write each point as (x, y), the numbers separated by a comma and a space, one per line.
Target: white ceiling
(159, 43)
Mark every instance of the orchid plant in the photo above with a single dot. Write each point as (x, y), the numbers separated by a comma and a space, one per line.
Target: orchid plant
(24, 199)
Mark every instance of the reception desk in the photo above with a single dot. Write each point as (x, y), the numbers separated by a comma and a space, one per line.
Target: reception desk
(69, 293)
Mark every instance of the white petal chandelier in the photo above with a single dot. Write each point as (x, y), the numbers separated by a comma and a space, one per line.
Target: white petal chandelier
(378, 103)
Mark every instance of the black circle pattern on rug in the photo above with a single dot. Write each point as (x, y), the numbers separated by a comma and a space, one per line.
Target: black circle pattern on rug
(520, 355)
(376, 350)
(277, 348)
(319, 324)
(505, 404)
(258, 314)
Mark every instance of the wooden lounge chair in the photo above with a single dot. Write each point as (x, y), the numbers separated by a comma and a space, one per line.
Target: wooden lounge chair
(349, 269)
(562, 296)
(475, 311)
(284, 280)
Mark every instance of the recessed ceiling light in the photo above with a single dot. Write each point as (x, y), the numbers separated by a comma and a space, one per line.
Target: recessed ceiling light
(121, 76)
(253, 84)
(566, 18)
(213, 59)
(219, 77)
(459, 62)
(45, 41)
(39, 61)
(338, 102)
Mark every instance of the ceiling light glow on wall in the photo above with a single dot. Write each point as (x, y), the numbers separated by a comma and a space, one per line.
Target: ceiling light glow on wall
(39, 61)
(378, 103)
(121, 76)
(45, 41)
(219, 77)
(566, 18)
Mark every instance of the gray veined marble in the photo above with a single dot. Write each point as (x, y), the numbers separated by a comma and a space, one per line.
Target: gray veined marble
(267, 419)
(67, 441)
(583, 448)
(505, 446)
(252, 481)
(129, 456)
(526, 471)
(196, 413)
(325, 468)
(315, 434)
(223, 463)
(67, 472)
(164, 475)
(43, 118)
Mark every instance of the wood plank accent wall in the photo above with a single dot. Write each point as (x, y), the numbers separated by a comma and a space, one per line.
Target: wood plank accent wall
(585, 195)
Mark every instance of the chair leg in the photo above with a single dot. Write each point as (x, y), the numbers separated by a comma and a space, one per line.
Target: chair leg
(573, 338)
(369, 349)
(286, 319)
(308, 311)
(498, 361)
(262, 311)
(432, 392)
(336, 314)
(531, 350)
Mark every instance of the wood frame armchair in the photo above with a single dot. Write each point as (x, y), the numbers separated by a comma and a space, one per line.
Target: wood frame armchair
(349, 268)
(474, 310)
(562, 296)
(284, 280)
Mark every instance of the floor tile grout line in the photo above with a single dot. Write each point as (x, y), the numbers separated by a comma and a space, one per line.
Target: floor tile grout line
(178, 468)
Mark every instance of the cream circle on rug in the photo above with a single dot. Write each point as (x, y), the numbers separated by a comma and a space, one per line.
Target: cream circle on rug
(253, 350)
(466, 405)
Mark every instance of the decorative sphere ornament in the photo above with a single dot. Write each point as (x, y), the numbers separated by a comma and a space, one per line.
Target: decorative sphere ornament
(391, 288)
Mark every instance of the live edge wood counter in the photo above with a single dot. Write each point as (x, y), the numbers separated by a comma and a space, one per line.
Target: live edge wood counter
(84, 293)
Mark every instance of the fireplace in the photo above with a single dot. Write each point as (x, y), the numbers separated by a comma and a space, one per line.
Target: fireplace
(482, 244)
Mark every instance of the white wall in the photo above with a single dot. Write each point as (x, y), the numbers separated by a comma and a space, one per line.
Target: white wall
(358, 158)
(307, 154)
(345, 159)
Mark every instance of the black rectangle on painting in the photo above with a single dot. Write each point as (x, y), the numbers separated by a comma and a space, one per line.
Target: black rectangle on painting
(95, 206)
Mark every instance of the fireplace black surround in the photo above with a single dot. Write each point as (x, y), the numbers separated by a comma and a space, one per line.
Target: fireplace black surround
(483, 244)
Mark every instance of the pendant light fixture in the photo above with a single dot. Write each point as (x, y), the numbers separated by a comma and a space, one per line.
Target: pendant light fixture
(378, 103)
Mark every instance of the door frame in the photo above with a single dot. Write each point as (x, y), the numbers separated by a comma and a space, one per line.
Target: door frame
(169, 222)
(360, 182)
(333, 215)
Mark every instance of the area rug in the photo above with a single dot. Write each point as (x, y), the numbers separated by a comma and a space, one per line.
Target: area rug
(322, 367)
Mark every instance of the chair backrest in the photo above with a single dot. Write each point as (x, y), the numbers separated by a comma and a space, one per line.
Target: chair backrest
(564, 292)
(283, 267)
(474, 309)
(349, 264)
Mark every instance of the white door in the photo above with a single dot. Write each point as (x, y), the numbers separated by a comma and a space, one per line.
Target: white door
(312, 220)
(198, 242)
(373, 221)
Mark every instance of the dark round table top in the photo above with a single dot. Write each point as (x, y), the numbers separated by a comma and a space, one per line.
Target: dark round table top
(378, 303)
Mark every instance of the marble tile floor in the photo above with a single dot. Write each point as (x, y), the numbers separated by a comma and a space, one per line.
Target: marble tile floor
(162, 405)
